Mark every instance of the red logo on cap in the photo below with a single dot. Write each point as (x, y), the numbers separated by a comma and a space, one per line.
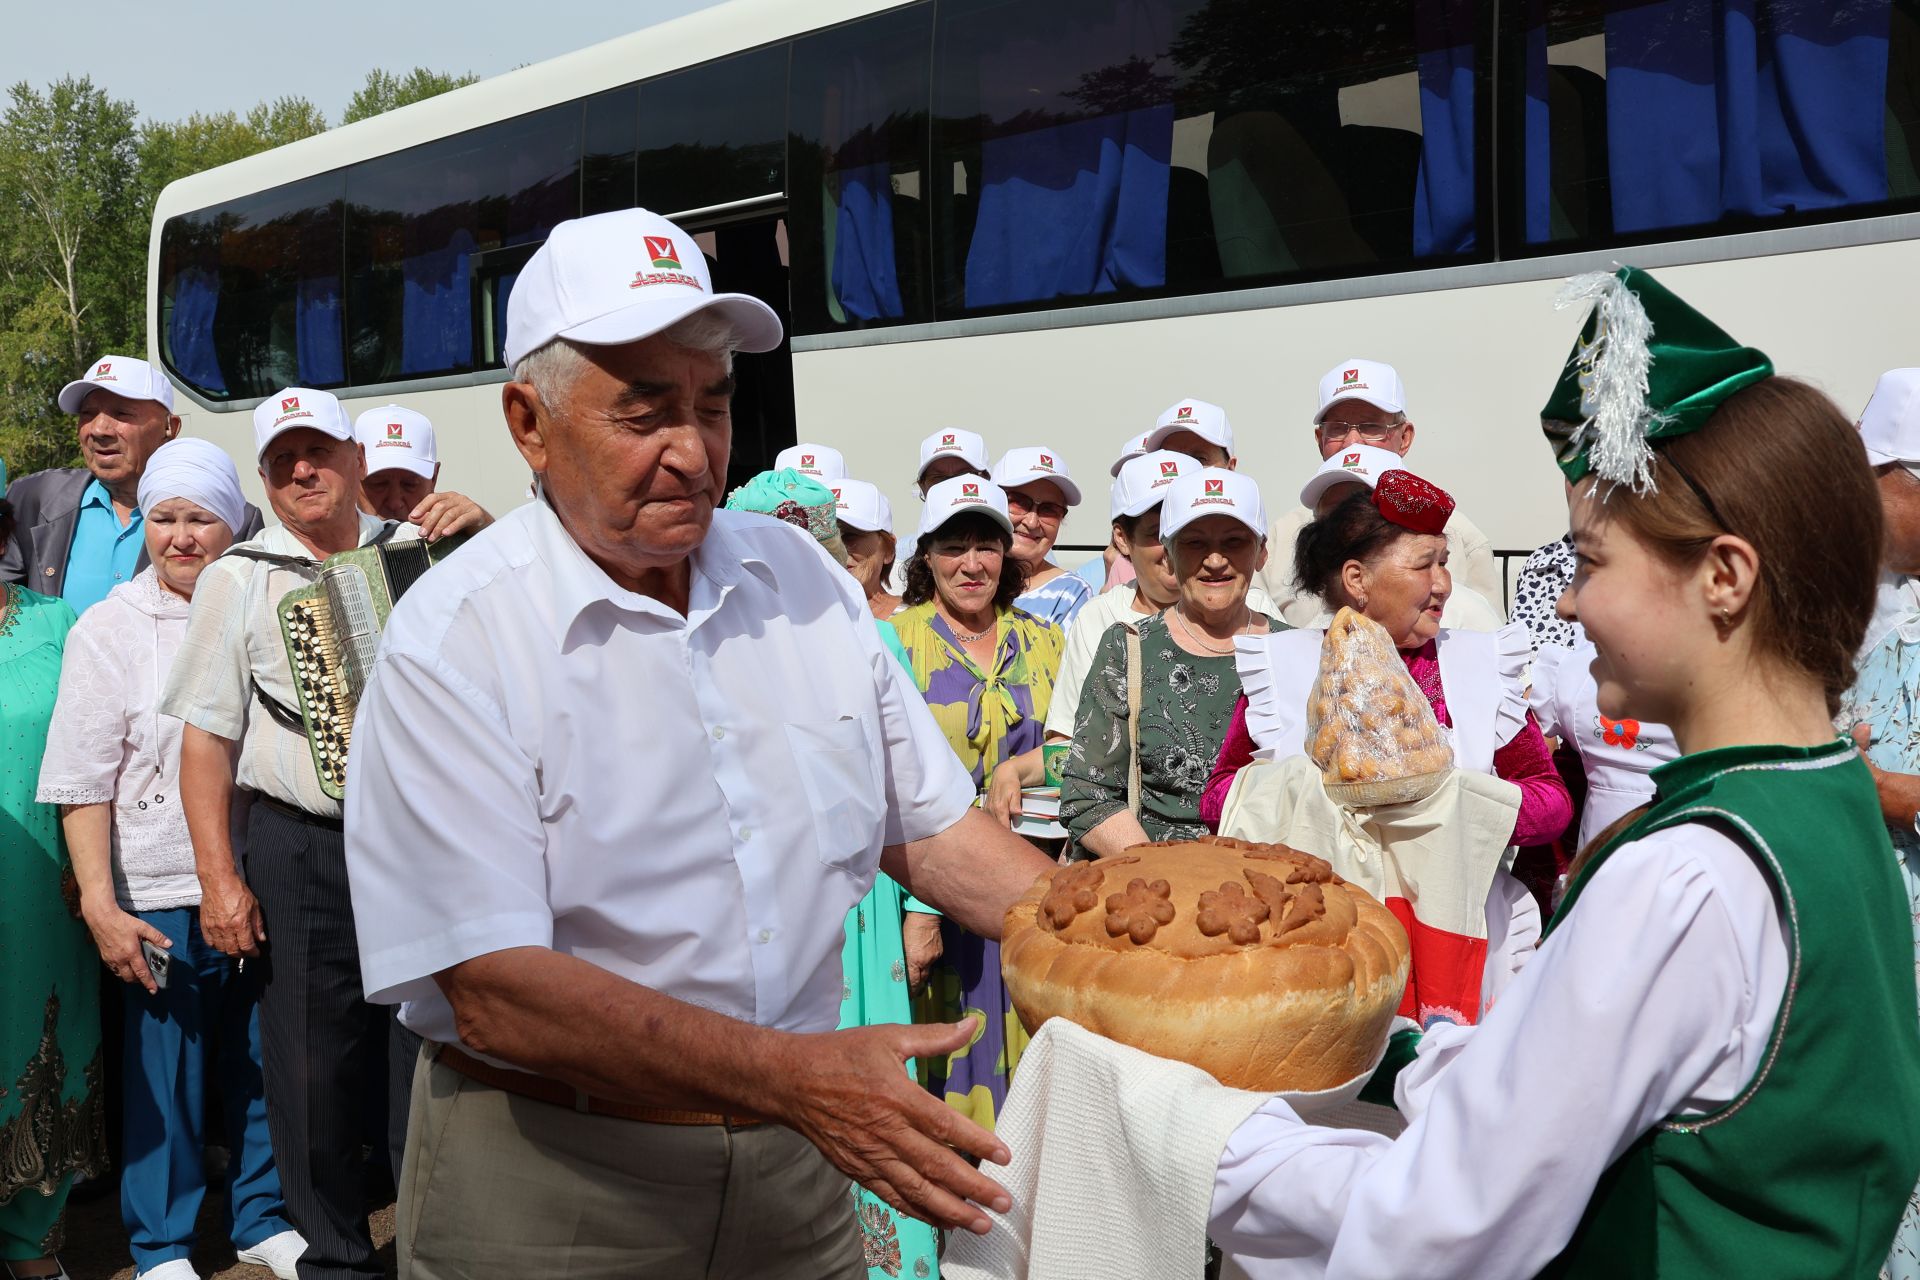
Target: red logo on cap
(1186, 411)
(969, 490)
(1169, 468)
(1350, 460)
(836, 495)
(946, 440)
(1046, 460)
(661, 250)
(289, 403)
(1349, 377)
(394, 431)
(1216, 487)
(106, 366)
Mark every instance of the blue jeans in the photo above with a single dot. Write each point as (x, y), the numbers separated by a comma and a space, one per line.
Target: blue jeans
(171, 1035)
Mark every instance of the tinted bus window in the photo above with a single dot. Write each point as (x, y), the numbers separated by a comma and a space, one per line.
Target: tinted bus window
(858, 190)
(1641, 120)
(250, 292)
(611, 133)
(714, 134)
(420, 223)
(1097, 150)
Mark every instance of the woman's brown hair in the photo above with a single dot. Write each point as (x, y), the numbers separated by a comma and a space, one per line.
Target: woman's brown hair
(1781, 467)
(1013, 579)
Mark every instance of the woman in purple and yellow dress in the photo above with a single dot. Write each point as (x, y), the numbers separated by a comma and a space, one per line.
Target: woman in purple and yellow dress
(987, 671)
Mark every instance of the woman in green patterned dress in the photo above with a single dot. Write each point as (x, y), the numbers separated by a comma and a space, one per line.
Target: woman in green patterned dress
(51, 1122)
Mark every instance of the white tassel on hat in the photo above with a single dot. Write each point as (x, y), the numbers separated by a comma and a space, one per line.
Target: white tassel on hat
(1613, 381)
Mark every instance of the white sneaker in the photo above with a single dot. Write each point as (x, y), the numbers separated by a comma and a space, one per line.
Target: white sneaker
(173, 1269)
(277, 1253)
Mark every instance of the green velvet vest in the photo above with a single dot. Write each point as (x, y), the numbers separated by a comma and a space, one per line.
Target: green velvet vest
(1805, 1174)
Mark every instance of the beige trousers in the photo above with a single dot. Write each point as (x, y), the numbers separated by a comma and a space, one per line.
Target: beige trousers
(496, 1185)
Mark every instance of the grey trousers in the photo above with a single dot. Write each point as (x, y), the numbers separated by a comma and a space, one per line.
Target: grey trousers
(497, 1185)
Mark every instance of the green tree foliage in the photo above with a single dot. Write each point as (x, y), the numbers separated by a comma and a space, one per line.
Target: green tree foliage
(79, 178)
(384, 91)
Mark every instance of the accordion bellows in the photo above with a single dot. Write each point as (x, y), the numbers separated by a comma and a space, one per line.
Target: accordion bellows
(332, 631)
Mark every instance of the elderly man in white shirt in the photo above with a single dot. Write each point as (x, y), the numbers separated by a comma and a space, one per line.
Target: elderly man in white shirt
(233, 686)
(623, 766)
(1364, 404)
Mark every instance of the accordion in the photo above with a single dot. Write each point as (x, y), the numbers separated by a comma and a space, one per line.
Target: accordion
(332, 631)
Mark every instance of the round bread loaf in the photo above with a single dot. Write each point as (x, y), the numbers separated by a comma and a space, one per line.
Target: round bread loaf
(1253, 962)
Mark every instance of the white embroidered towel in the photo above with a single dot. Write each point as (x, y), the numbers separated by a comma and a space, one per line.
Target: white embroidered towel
(1114, 1154)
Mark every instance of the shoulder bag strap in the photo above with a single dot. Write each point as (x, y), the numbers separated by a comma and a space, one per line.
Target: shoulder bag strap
(1133, 721)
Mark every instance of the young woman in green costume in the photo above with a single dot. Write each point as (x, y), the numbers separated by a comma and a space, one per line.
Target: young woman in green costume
(1710, 1067)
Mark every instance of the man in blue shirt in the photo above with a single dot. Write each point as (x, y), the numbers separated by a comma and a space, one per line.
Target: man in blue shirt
(78, 529)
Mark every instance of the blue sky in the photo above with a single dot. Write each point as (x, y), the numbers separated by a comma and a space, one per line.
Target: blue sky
(215, 55)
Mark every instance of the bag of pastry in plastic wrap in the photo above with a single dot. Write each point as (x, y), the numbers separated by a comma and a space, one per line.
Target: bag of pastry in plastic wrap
(1369, 728)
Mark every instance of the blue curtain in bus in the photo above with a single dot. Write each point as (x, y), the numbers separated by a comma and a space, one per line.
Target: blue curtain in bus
(316, 332)
(1073, 210)
(1443, 196)
(865, 279)
(1536, 126)
(196, 296)
(1753, 107)
(436, 305)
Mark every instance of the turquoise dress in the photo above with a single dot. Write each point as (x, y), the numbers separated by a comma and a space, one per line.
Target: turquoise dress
(1886, 698)
(873, 992)
(52, 1121)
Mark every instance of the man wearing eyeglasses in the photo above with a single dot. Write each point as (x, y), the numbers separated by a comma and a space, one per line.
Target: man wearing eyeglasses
(1362, 402)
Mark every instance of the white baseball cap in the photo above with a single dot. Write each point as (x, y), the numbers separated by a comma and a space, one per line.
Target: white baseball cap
(1133, 449)
(1376, 383)
(1025, 466)
(1211, 491)
(1890, 424)
(961, 494)
(397, 437)
(124, 376)
(620, 277)
(293, 407)
(953, 442)
(1208, 421)
(1143, 481)
(1363, 463)
(816, 460)
(862, 506)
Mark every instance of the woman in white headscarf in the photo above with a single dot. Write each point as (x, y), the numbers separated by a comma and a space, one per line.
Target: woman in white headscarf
(112, 764)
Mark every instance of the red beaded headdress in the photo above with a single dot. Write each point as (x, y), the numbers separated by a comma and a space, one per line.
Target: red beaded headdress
(1412, 503)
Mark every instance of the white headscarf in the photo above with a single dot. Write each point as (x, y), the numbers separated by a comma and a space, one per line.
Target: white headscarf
(199, 471)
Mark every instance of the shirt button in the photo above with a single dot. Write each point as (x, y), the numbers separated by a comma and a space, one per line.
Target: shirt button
(746, 834)
(719, 734)
(766, 935)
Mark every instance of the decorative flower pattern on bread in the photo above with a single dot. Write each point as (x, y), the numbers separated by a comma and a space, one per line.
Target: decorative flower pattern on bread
(1139, 910)
(1075, 889)
(1233, 911)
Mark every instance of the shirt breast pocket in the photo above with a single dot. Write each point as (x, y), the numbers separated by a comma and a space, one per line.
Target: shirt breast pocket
(839, 769)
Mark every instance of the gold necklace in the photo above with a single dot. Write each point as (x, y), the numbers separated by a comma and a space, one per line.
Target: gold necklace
(1180, 617)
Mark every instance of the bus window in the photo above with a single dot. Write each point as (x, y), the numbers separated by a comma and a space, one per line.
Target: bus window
(857, 186)
(1736, 114)
(1088, 149)
(250, 292)
(417, 219)
(714, 134)
(611, 129)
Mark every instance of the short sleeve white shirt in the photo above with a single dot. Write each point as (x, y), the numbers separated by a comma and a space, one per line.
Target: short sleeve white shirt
(543, 758)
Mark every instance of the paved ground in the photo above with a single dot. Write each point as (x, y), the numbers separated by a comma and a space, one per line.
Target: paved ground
(97, 1244)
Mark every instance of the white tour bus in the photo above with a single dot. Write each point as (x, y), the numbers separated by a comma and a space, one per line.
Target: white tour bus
(1048, 220)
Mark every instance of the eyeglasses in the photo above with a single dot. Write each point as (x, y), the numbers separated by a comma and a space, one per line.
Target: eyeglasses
(1019, 504)
(1368, 432)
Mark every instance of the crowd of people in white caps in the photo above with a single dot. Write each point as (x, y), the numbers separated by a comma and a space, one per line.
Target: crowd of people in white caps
(668, 838)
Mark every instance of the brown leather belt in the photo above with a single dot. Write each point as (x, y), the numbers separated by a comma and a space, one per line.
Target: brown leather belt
(541, 1089)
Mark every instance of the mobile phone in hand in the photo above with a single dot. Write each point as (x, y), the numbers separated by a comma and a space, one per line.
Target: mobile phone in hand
(157, 962)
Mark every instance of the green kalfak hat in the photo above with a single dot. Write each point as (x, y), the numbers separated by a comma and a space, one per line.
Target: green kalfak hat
(1647, 367)
(797, 499)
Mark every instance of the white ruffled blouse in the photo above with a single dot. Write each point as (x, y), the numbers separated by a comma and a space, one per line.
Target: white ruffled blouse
(108, 742)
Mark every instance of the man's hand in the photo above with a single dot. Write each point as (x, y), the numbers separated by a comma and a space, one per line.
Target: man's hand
(118, 933)
(444, 513)
(1899, 792)
(848, 1093)
(230, 918)
(1003, 794)
(920, 935)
